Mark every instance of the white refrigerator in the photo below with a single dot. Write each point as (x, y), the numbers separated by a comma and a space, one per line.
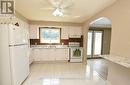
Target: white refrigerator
(14, 55)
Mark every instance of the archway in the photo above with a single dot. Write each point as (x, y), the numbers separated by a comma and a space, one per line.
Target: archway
(99, 37)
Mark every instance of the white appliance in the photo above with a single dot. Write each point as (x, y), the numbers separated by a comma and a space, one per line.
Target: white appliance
(76, 52)
(14, 55)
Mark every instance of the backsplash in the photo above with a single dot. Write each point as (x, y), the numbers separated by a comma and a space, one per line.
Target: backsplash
(63, 41)
(37, 42)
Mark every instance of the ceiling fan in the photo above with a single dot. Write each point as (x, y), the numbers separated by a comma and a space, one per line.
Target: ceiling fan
(60, 7)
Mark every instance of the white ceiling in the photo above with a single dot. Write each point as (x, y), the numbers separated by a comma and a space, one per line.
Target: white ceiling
(81, 10)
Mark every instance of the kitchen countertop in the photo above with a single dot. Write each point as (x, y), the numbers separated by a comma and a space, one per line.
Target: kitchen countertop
(124, 61)
(49, 46)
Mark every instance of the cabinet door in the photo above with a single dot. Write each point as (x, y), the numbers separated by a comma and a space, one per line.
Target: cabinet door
(31, 56)
(62, 54)
(66, 54)
(44, 55)
(75, 30)
(59, 54)
(64, 32)
(52, 54)
(40, 55)
(36, 55)
(34, 32)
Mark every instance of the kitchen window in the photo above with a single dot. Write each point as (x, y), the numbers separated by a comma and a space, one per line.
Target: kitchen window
(50, 35)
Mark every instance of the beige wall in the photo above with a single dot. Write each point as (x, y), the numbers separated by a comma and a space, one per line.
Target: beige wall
(85, 31)
(21, 17)
(17, 17)
(119, 14)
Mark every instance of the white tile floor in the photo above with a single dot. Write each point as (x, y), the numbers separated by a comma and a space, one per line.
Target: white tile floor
(63, 74)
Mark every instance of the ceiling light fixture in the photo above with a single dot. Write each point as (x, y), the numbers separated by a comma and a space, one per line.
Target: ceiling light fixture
(58, 12)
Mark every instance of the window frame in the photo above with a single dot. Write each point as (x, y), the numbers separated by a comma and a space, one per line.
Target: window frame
(40, 28)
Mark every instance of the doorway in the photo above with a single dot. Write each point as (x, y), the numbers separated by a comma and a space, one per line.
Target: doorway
(99, 38)
(94, 47)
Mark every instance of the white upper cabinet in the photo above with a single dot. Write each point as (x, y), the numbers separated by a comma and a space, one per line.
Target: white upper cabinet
(66, 31)
(34, 32)
(75, 30)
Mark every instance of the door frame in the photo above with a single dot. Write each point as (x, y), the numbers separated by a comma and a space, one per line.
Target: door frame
(93, 40)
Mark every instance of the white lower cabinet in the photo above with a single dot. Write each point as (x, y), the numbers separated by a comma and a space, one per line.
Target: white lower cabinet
(50, 54)
(62, 54)
(31, 56)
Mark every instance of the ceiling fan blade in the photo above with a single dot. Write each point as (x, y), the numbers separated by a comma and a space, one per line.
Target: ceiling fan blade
(49, 8)
(71, 16)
